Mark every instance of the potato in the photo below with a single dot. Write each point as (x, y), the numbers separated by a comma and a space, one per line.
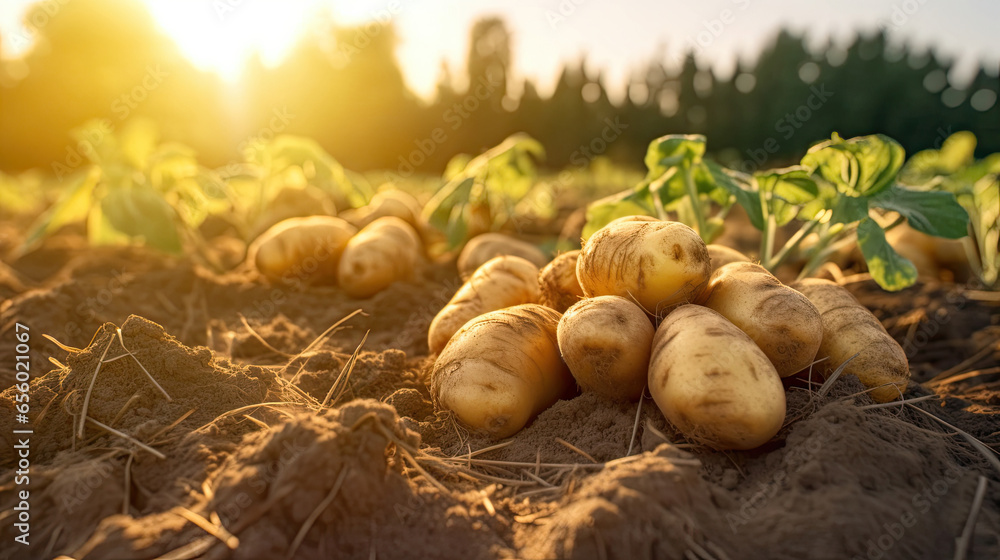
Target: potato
(783, 322)
(712, 382)
(557, 282)
(390, 202)
(302, 249)
(502, 282)
(502, 369)
(385, 251)
(482, 248)
(849, 328)
(293, 201)
(605, 341)
(657, 264)
(722, 255)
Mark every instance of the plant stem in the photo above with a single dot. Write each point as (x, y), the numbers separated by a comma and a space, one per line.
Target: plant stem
(826, 247)
(767, 239)
(692, 192)
(793, 243)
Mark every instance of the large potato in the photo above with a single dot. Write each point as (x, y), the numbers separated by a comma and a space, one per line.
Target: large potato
(722, 255)
(657, 264)
(783, 322)
(559, 288)
(849, 328)
(385, 251)
(712, 382)
(605, 341)
(482, 248)
(302, 249)
(502, 369)
(502, 282)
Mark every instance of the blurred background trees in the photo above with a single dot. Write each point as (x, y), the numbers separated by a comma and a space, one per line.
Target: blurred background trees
(343, 87)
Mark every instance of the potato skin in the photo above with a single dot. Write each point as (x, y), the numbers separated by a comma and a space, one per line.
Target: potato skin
(605, 341)
(392, 202)
(385, 251)
(782, 321)
(722, 255)
(849, 328)
(502, 369)
(486, 246)
(559, 288)
(289, 249)
(712, 382)
(503, 281)
(657, 264)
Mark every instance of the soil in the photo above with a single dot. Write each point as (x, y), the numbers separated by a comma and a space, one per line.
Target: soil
(271, 445)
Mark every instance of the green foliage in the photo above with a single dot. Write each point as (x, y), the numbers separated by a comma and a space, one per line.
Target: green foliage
(492, 183)
(858, 167)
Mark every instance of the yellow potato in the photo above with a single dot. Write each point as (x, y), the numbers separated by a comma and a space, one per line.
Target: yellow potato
(385, 251)
(712, 382)
(502, 369)
(849, 328)
(605, 341)
(502, 282)
(390, 202)
(482, 248)
(306, 250)
(558, 284)
(656, 264)
(783, 322)
(722, 255)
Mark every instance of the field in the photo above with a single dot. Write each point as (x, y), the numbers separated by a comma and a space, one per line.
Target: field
(225, 416)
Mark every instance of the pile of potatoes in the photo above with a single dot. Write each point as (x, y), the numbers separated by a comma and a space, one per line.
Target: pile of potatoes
(363, 251)
(646, 304)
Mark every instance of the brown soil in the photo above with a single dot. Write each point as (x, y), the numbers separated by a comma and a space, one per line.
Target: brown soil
(368, 475)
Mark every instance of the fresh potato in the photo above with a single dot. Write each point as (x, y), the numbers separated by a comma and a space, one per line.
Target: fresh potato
(783, 322)
(712, 382)
(636, 218)
(482, 248)
(390, 202)
(302, 249)
(502, 282)
(849, 328)
(722, 255)
(605, 341)
(557, 282)
(385, 251)
(502, 369)
(657, 264)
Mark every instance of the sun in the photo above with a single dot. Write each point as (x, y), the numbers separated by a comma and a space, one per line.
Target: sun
(221, 35)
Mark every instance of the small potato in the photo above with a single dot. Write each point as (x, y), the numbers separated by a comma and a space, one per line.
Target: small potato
(391, 202)
(783, 322)
(484, 247)
(385, 251)
(302, 249)
(722, 255)
(502, 282)
(657, 264)
(849, 328)
(558, 284)
(502, 369)
(712, 382)
(605, 341)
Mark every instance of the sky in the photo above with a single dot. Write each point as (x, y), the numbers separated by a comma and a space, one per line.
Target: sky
(618, 38)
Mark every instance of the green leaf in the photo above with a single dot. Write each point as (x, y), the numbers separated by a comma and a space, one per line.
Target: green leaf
(607, 210)
(956, 153)
(932, 212)
(73, 205)
(847, 210)
(145, 215)
(861, 166)
(669, 151)
(746, 197)
(889, 270)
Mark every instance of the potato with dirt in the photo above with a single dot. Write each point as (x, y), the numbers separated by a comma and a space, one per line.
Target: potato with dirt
(559, 288)
(782, 321)
(721, 255)
(712, 382)
(385, 251)
(502, 369)
(605, 341)
(486, 246)
(305, 249)
(504, 281)
(657, 264)
(849, 328)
